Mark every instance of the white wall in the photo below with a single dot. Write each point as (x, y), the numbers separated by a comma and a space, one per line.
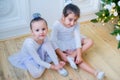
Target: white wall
(88, 8)
(50, 10)
(15, 15)
(14, 18)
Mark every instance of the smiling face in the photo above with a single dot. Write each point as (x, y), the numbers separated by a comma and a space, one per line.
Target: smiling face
(69, 20)
(39, 30)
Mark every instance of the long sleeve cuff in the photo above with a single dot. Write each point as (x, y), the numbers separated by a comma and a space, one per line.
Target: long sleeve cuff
(48, 67)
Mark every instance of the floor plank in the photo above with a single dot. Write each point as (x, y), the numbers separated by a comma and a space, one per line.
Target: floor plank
(104, 55)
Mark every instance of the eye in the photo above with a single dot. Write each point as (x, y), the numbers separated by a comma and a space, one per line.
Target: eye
(37, 30)
(75, 20)
(43, 29)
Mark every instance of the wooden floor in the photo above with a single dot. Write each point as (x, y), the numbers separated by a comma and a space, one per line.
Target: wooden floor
(104, 55)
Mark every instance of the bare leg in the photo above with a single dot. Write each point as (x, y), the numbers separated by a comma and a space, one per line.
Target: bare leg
(86, 44)
(87, 68)
(98, 74)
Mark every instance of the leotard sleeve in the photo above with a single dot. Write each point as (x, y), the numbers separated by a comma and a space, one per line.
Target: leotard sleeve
(54, 38)
(77, 36)
(32, 50)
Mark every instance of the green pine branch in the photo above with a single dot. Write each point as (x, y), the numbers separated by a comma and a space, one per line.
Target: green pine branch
(105, 15)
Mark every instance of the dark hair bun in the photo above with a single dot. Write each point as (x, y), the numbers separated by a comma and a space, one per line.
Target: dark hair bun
(36, 15)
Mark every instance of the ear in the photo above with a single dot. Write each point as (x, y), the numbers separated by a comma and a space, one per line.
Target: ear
(31, 32)
(63, 17)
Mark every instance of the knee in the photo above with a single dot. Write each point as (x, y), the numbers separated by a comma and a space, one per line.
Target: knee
(90, 42)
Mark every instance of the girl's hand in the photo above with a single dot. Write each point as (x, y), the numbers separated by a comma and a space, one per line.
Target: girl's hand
(64, 57)
(59, 66)
(79, 56)
(78, 59)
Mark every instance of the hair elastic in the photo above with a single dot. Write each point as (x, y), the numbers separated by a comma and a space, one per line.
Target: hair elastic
(36, 15)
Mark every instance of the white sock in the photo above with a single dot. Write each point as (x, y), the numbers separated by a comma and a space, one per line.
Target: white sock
(72, 63)
(100, 75)
(63, 72)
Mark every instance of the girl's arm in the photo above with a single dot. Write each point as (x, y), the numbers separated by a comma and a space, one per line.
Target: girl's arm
(78, 44)
(61, 54)
(79, 55)
(56, 67)
(77, 37)
(54, 40)
(33, 52)
(53, 37)
(57, 50)
(51, 52)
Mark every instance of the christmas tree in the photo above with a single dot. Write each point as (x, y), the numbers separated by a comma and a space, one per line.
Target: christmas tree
(110, 9)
